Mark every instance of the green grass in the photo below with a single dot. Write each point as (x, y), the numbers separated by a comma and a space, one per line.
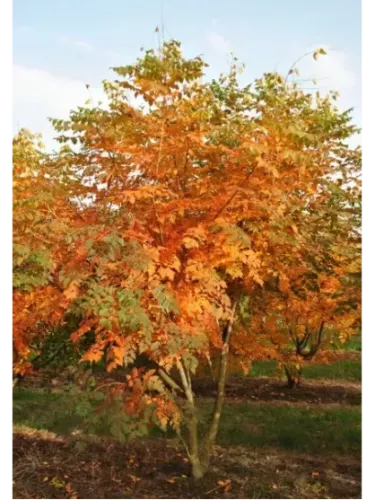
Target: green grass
(264, 369)
(313, 430)
(353, 344)
(40, 409)
(342, 370)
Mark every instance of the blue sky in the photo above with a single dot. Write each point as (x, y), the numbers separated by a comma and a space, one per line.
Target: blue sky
(59, 46)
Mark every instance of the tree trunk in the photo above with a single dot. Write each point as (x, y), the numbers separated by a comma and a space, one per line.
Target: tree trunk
(293, 380)
(210, 438)
(291, 383)
(211, 369)
(200, 456)
(16, 379)
(197, 471)
(196, 466)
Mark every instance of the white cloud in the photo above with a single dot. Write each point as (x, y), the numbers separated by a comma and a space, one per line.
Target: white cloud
(218, 43)
(37, 95)
(332, 71)
(72, 42)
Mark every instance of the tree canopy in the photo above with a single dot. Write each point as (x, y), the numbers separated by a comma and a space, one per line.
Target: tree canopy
(185, 218)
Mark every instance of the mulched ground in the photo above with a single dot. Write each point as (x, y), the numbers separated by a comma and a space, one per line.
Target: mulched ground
(268, 389)
(245, 388)
(47, 466)
(50, 466)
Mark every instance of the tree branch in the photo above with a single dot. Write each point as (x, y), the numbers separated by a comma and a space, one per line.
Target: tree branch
(185, 383)
(227, 203)
(169, 380)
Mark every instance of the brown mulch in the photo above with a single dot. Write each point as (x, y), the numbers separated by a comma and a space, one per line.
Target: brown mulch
(46, 466)
(268, 389)
(242, 387)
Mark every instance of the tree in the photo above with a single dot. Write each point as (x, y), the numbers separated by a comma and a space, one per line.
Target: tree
(311, 312)
(317, 303)
(44, 218)
(189, 198)
(302, 322)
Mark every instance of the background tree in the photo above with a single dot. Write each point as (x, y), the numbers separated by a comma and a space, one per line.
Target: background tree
(45, 218)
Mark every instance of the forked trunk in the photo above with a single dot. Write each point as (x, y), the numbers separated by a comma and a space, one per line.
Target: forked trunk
(197, 469)
(200, 455)
(293, 378)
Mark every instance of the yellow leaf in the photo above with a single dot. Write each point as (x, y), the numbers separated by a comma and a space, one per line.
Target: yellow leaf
(319, 52)
(226, 484)
(176, 264)
(190, 242)
(151, 269)
(166, 272)
(234, 272)
(135, 479)
(72, 291)
(118, 353)
(56, 482)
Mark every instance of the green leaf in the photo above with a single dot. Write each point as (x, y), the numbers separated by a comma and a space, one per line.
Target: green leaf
(165, 299)
(84, 409)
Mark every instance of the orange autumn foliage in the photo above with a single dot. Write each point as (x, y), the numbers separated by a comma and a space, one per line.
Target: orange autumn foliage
(191, 217)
